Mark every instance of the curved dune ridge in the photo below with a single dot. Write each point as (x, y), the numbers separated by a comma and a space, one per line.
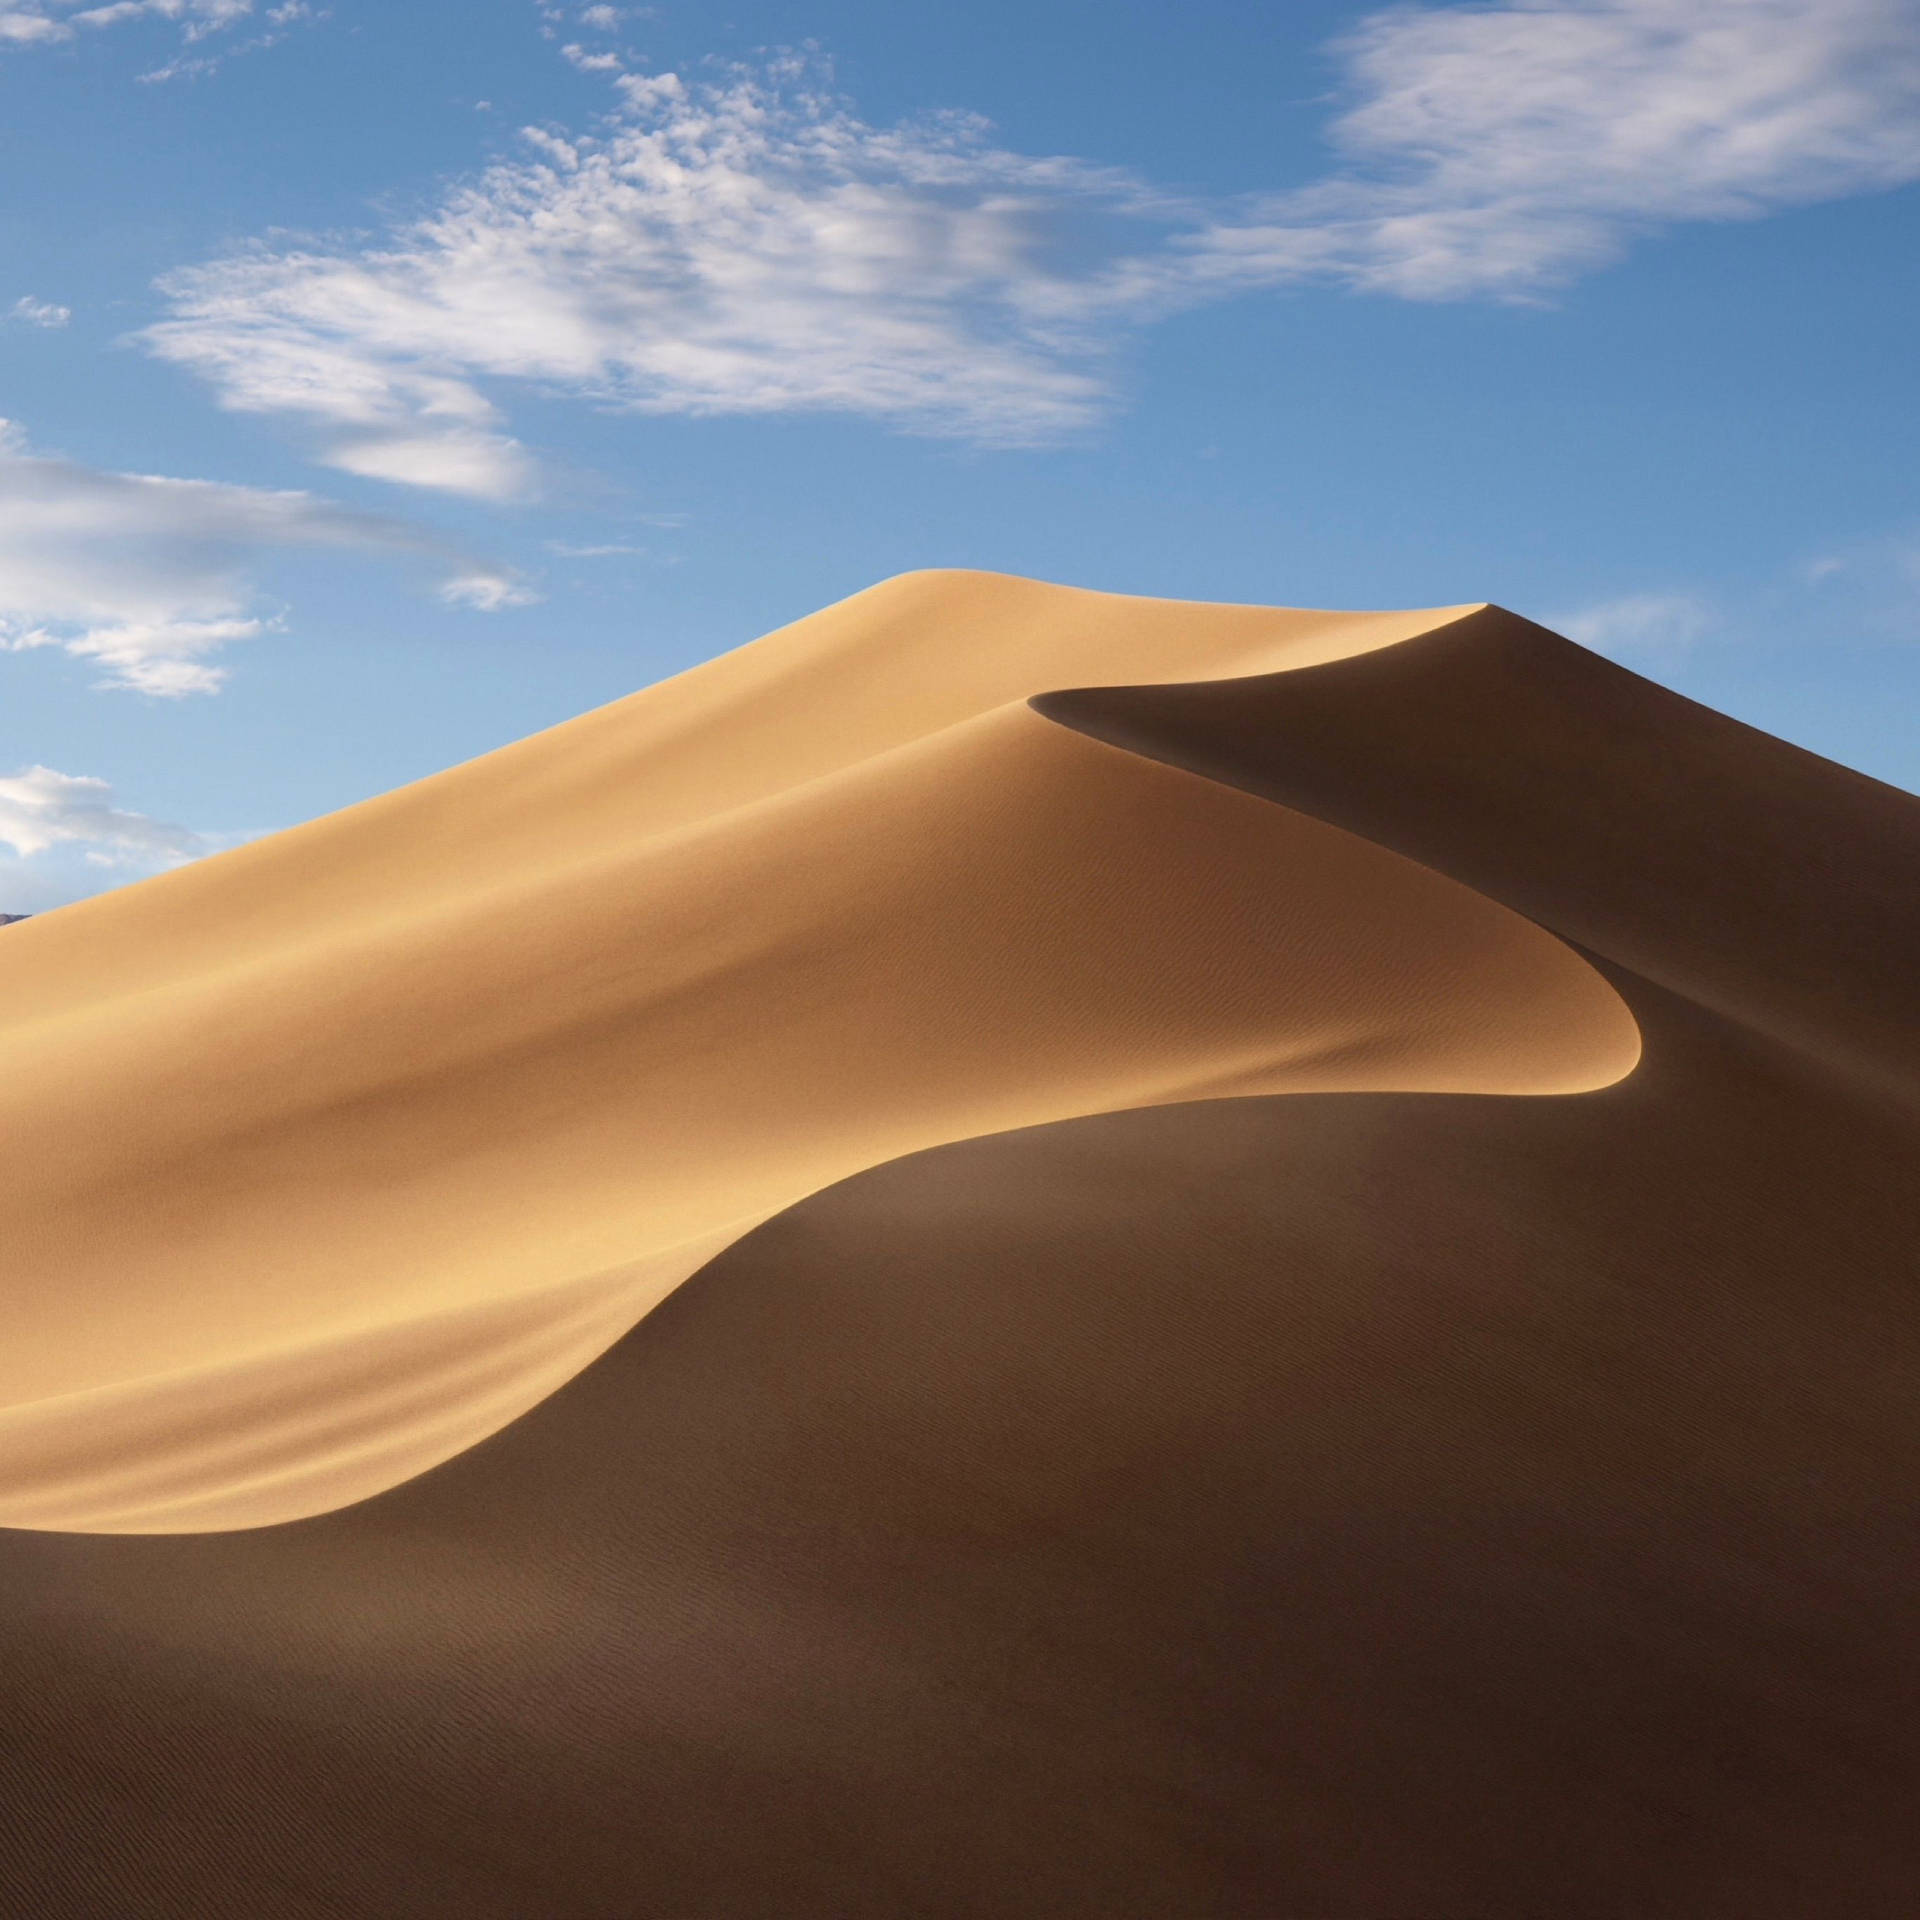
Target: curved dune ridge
(332, 1155)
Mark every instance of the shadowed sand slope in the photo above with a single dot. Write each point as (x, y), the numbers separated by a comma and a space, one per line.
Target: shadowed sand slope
(1772, 886)
(1358, 1504)
(332, 1155)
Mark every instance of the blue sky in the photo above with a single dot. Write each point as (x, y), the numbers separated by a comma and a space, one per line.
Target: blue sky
(385, 382)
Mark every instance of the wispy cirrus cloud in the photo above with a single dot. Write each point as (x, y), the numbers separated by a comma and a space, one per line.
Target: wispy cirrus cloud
(1869, 588)
(751, 246)
(62, 836)
(41, 810)
(1506, 149)
(30, 312)
(1863, 591)
(47, 23)
(275, 25)
(149, 577)
(1641, 625)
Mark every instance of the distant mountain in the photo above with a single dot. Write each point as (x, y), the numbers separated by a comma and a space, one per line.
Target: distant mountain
(7, 919)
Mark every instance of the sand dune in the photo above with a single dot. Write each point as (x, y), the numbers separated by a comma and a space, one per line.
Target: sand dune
(338, 1152)
(1369, 1495)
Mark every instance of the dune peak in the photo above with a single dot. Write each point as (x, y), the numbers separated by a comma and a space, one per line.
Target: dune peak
(342, 1149)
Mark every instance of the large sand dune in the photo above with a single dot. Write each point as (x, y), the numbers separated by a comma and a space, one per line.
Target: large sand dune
(336, 1153)
(1370, 1495)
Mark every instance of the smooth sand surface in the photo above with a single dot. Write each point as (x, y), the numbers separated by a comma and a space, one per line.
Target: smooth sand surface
(332, 1155)
(1381, 1505)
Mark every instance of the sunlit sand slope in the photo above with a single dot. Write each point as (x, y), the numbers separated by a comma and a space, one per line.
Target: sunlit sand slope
(330, 1156)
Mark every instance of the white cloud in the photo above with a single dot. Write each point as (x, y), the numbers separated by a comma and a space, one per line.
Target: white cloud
(62, 837)
(1641, 624)
(28, 23)
(279, 20)
(41, 809)
(603, 19)
(150, 577)
(752, 247)
(746, 248)
(576, 55)
(41, 22)
(1505, 149)
(1867, 588)
(487, 466)
(39, 313)
(485, 592)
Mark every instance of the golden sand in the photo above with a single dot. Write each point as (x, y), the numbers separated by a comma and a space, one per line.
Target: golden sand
(331, 1155)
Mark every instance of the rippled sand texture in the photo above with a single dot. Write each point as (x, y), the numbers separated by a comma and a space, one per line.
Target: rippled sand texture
(1372, 1495)
(336, 1153)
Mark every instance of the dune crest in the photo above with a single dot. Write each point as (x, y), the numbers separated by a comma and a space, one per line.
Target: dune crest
(337, 1152)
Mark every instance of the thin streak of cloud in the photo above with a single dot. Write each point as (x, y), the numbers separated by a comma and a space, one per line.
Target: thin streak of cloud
(485, 592)
(39, 313)
(1868, 588)
(150, 577)
(1641, 626)
(45, 22)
